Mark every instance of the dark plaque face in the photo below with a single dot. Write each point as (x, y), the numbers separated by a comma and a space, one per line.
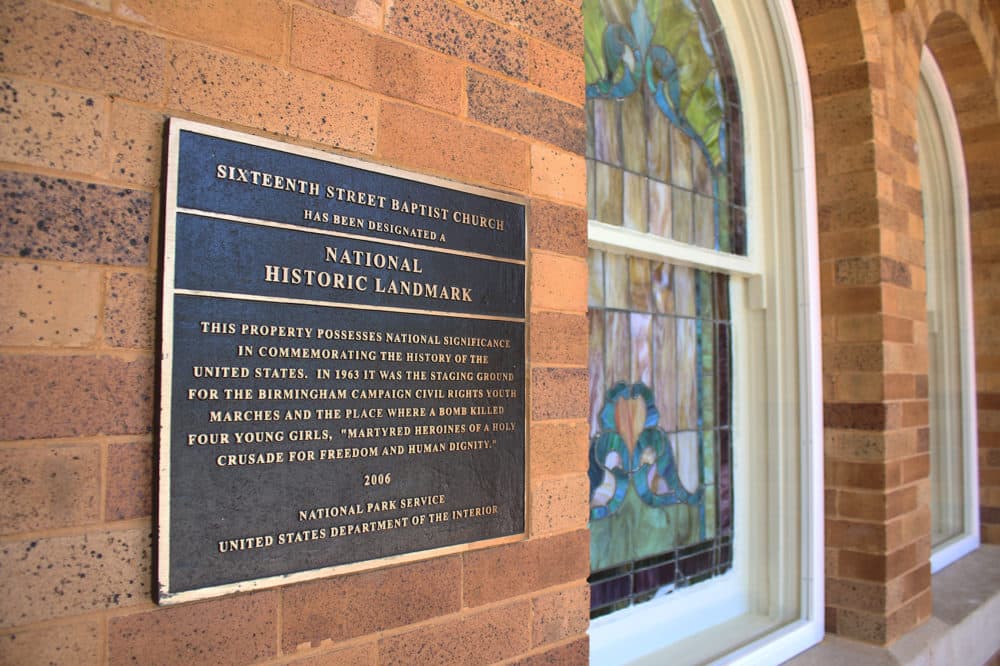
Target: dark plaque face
(343, 372)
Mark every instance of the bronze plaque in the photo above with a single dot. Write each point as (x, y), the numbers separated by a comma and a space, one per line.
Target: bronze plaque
(343, 365)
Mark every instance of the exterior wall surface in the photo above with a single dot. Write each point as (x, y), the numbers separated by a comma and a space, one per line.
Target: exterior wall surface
(488, 93)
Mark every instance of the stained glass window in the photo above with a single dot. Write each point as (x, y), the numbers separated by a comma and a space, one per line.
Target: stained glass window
(664, 158)
(665, 151)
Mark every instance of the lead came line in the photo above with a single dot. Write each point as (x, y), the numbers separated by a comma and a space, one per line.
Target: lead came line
(341, 234)
(332, 304)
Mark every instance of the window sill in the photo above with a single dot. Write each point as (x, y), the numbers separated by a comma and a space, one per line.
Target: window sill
(961, 630)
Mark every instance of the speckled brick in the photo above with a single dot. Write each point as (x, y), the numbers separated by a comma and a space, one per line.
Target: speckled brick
(261, 95)
(79, 50)
(420, 139)
(67, 220)
(559, 504)
(63, 645)
(72, 396)
(50, 127)
(554, 22)
(130, 311)
(447, 28)
(357, 655)
(560, 615)
(368, 12)
(558, 447)
(467, 640)
(254, 26)
(492, 574)
(559, 175)
(558, 393)
(129, 481)
(559, 338)
(558, 283)
(45, 306)
(136, 143)
(558, 228)
(575, 653)
(349, 606)
(343, 50)
(512, 107)
(227, 632)
(54, 577)
(48, 487)
(557, 71)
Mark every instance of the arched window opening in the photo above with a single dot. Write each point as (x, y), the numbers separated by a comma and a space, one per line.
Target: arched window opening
(951, 385)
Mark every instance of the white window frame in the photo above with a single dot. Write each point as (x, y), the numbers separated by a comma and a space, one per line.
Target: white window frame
(946, 195)
(769, 607)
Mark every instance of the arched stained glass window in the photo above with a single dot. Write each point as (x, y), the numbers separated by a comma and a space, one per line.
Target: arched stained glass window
(665, 166)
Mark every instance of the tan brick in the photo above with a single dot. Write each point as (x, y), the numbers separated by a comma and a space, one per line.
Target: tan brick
(463, 640)
(254, 26)
(75, 49)
(419, 139)
(558, 283)
(129, 481)
(50, 127)
(43, 488)
(862, 537)
(558, 175)
(863, 596)
(236, 630)
(130, 311)
(78, 395)
(58, 576)
(515, 108)
(345, 607)
(558, 393)
(447, 28)
(558, 448)
(558, 338)
(48, 306)
(861, 626)
(136, 144)
(560, 615)
(557, 228)
(575, 653)
(63, 645)
(295, 104)
(343, 50)
(555, 22)
(68, 220)
(556, 71)
(559, 504)
(356, 655)
(539, 563)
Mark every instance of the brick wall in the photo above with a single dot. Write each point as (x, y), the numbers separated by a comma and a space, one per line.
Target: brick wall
(863, 58)
(484, 92)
